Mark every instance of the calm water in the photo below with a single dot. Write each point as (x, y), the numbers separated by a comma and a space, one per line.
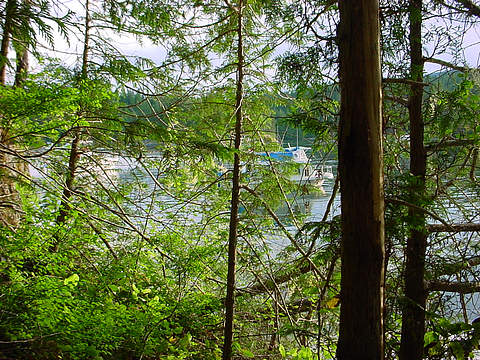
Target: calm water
(312, 206)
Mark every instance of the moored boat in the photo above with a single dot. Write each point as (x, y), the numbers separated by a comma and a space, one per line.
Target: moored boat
(307, 173)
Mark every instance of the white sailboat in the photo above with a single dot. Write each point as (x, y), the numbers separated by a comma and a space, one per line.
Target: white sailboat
(306, 173)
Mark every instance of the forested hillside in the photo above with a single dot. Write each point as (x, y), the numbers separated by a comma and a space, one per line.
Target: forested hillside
(154, 205)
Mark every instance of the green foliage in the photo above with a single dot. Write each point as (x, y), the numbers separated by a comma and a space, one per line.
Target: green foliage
(136, 270)
(303, 353)
(97, 312)
(45, 109)
(454, 110)
(451, 340)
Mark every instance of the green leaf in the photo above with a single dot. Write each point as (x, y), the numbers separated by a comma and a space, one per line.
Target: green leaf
(305, 353)
(72, 279)
(135, 289)
(246, 353)
(429, 338)
(282, 351)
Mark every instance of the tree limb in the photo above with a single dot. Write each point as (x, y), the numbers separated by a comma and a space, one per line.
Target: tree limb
(416, 207)
(456, 287)
(403, 81)
(472, 8)
(446, 64)
(302, 267)
(454, 268)
(448, 143)
(454, 228)
(396, 99)
(283, 228)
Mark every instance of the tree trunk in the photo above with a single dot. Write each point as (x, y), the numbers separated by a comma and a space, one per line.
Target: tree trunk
(75, 153)
(361, 179)
(10, 8)
(22, 67)
(11, 167)
(413, 317)
(232, 237)
(69, 179)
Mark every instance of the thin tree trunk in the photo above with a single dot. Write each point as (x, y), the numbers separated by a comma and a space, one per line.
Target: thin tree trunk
(75, 152)
(232, 236)
(7, 32)
(361, 181)
(22, 67)
(10, 166)
(413, 317)
(69, 179)
(474, 165)
(22, 44)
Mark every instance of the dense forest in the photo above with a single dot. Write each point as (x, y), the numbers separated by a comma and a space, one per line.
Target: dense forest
(148, 211)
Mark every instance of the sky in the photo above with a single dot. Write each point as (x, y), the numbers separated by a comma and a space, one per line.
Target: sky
(70, 55)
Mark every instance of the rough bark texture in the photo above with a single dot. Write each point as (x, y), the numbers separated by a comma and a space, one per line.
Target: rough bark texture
(361, 179)
(232, 237)
(413, 317)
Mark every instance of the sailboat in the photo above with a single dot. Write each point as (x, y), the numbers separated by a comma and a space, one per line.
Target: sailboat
(306, 173)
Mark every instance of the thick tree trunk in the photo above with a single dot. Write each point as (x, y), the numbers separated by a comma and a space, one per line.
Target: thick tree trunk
(413, 317)
(232, 237)
(361, 179)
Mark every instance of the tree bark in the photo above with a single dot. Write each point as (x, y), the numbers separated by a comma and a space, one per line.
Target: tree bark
(413, 316)
(361, 179)
(10, 166)
(22, 67)
(453, 286)
(10, 8)
(69, 179)
(22, 44)
(474, 165)
(471, 7)
(453, 228)
(232, 237)
(75, 153)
